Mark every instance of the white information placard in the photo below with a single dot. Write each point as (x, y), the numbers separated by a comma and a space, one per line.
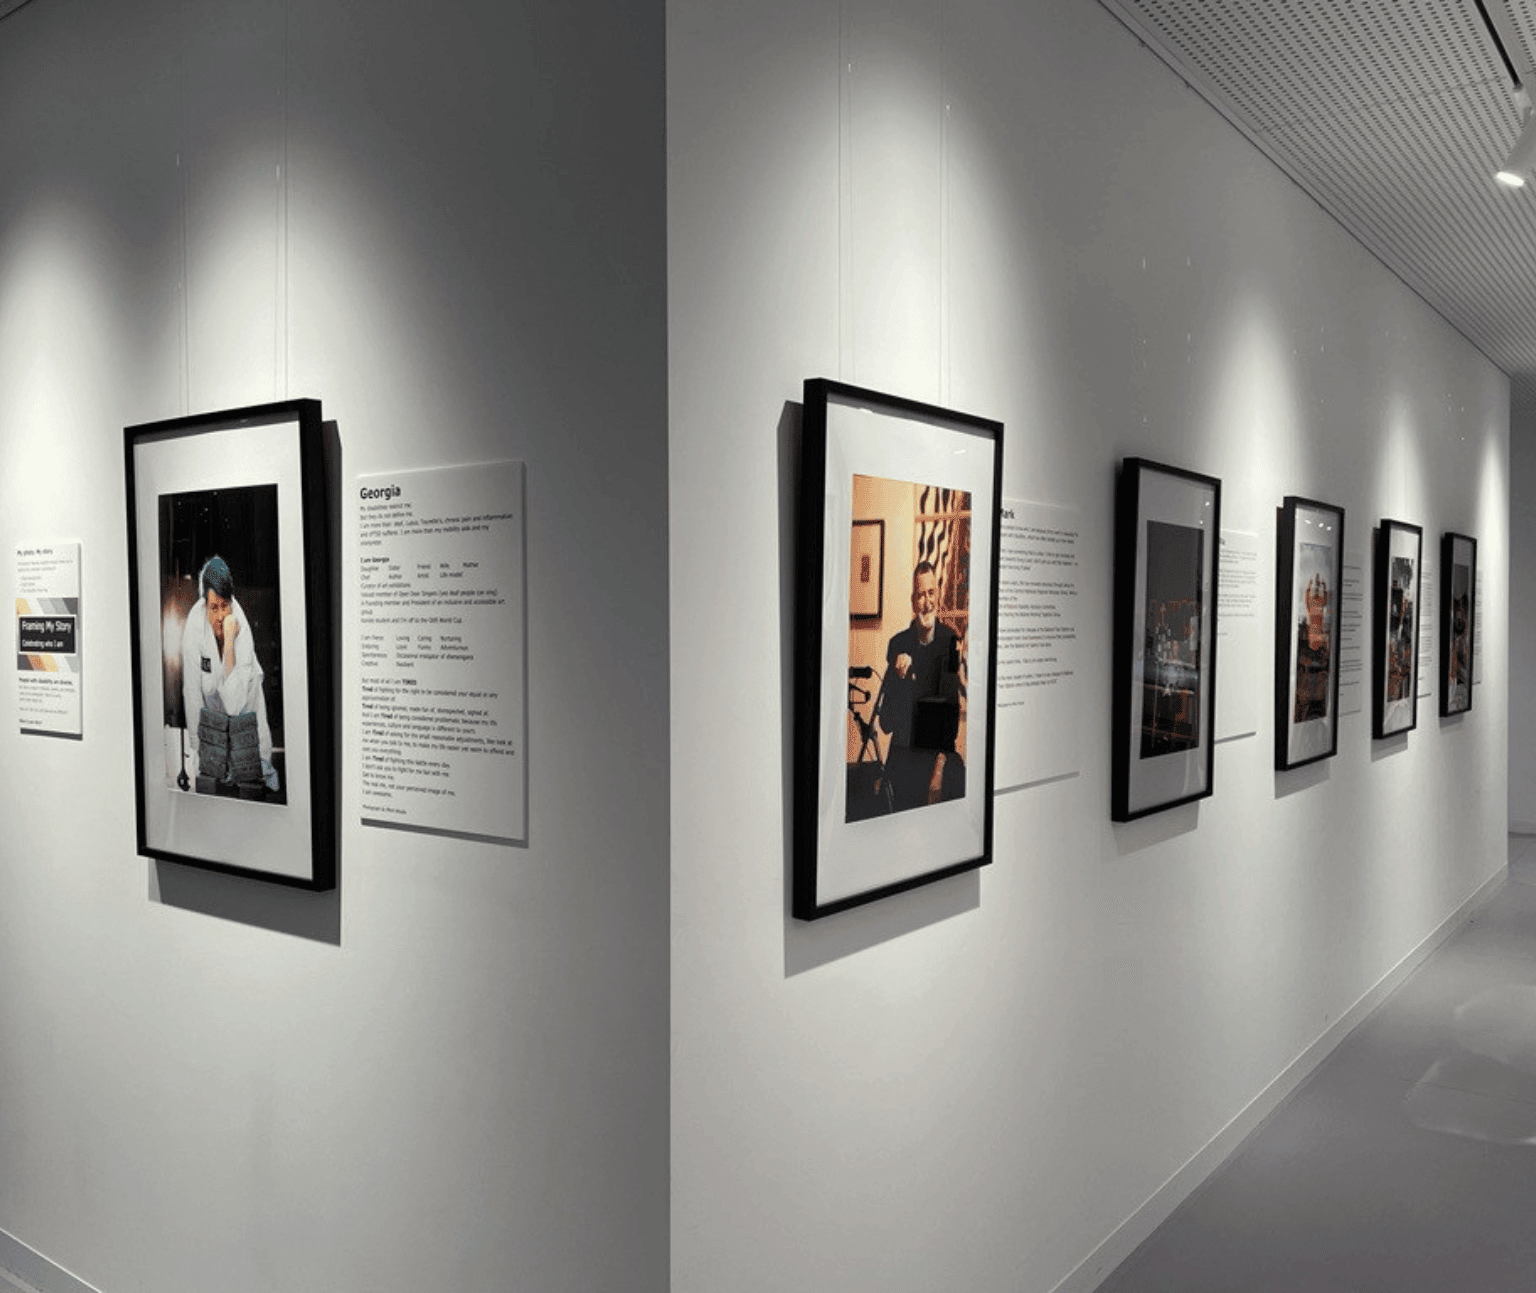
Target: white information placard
(1039, 651)
(1352, 635)
(1239, 657)
(48, 639)
(442, 644)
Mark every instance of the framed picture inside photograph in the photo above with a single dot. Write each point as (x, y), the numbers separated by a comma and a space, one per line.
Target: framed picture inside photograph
(893, 707)
(1458, 621)
(1167, 538)
(1395, 628)
(866, 571)
(232, 618)
(1309, 569)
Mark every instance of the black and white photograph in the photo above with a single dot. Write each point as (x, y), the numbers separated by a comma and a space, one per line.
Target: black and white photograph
(232, 614)
(1308, 608)
(1458, 621)
(895, 682)
(1167, 539)
(1395, 628)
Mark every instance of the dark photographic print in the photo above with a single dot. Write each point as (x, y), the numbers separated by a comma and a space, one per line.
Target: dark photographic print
(1458, 613)
(1167, 535)
(1308, 578)
(1458, 672)
(221, 641)
(907, 667)
(896, 599)
(232, 617)
(1314, 633)
(1170, 693)
(1395, 628)
(1401, 626)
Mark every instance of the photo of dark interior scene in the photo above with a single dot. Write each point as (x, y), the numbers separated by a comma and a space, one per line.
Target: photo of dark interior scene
(907, 670)
(1401, 613)
(1314, 634)
(1458, 664)
(1170, 679)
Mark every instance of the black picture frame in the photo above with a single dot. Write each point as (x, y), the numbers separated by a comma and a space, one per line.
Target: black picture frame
(893, 739)
(1167, 544)
(228, 524)
(1309, 582)
(1458, 622)
(1395, 628)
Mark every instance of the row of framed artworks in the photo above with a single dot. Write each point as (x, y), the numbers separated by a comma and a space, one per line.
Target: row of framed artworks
(894, 701)
(1168, 531)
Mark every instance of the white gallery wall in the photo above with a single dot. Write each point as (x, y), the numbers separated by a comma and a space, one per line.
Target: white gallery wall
(447, 224)
(1000, 1082)
(1522, 619)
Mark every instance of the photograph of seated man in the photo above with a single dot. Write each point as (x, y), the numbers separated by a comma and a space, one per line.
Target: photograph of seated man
(907, 659)
(226, 705)
(921, 711)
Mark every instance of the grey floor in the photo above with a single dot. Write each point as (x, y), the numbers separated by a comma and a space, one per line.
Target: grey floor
(1407, 1161)
(1405, 1164)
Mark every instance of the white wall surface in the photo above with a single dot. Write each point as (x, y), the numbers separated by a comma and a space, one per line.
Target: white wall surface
(1522, 620)
(447, 224)
(1015, 210)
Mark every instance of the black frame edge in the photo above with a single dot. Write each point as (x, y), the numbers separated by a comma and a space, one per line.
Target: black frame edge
(1123, 650)
(320, 630)
(1380, 595)
(1284, 638)
(810, 631)
(1447, 554)
(809, 562)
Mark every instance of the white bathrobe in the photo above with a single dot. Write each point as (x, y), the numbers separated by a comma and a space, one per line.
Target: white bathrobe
(204, 684)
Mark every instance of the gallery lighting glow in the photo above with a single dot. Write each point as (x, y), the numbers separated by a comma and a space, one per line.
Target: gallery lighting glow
(1521, 165)
(1511, 49)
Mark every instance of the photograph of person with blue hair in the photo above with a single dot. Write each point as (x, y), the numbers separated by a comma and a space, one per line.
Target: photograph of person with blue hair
(219, 572)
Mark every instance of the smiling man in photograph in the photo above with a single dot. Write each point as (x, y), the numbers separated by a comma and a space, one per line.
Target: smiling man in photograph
(921, 707)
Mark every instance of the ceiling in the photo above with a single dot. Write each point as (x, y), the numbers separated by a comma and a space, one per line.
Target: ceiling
(1393, 115)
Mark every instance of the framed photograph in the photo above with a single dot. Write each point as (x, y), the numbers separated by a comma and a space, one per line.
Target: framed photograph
(894, 691)
(231, 614)
(1167, 538)
(1309, 579)
(1395, 628)
(1458, 612)
(866, 571)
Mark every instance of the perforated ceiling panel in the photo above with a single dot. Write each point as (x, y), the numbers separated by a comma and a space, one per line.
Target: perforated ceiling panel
(1393, 115)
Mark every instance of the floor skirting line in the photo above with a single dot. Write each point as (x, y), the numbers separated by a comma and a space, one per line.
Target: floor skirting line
(34, 1271)
(1129, 1235)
